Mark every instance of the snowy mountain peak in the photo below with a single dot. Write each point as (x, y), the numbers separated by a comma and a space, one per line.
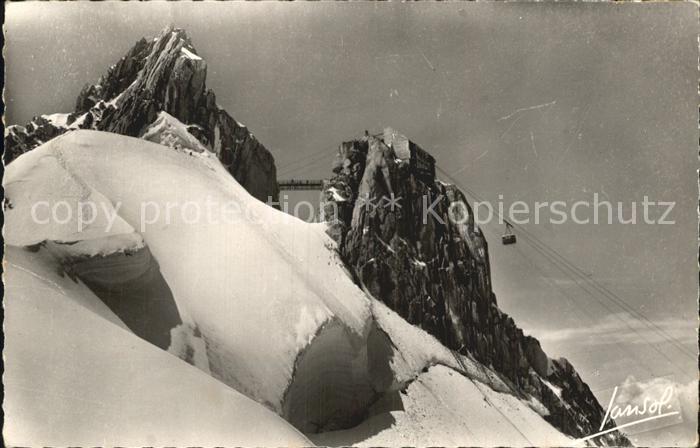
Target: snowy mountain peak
(163, 74)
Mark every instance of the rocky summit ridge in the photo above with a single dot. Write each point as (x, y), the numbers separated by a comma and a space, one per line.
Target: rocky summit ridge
(435, 272)
(163, 74)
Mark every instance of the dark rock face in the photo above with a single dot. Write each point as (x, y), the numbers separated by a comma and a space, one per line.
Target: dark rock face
(434, 271)
(20, 139)
(164, 74)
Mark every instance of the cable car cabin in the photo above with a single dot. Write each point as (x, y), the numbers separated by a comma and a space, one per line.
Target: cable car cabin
(509, 236)
(508, 239)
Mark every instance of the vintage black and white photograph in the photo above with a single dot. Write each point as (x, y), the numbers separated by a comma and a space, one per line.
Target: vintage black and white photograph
(277, 224)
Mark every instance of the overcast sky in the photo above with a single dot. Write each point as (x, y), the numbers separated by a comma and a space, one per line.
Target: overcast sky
(530, 101)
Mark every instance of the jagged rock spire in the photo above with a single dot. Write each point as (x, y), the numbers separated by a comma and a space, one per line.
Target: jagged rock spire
(164, 74)
(435, 272)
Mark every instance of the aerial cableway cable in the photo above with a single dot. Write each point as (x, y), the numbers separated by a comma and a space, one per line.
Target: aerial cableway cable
(541, 275)
(305, 161)
(580, 278)
(549, 253)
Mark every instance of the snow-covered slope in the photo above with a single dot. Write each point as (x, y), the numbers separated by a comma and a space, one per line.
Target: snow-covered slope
(75, 376)
(443, 408)
(281, 320)
(209, 263)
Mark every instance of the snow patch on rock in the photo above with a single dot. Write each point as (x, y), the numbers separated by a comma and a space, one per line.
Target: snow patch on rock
(58, 119)
(169, 131)
(188, 54)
